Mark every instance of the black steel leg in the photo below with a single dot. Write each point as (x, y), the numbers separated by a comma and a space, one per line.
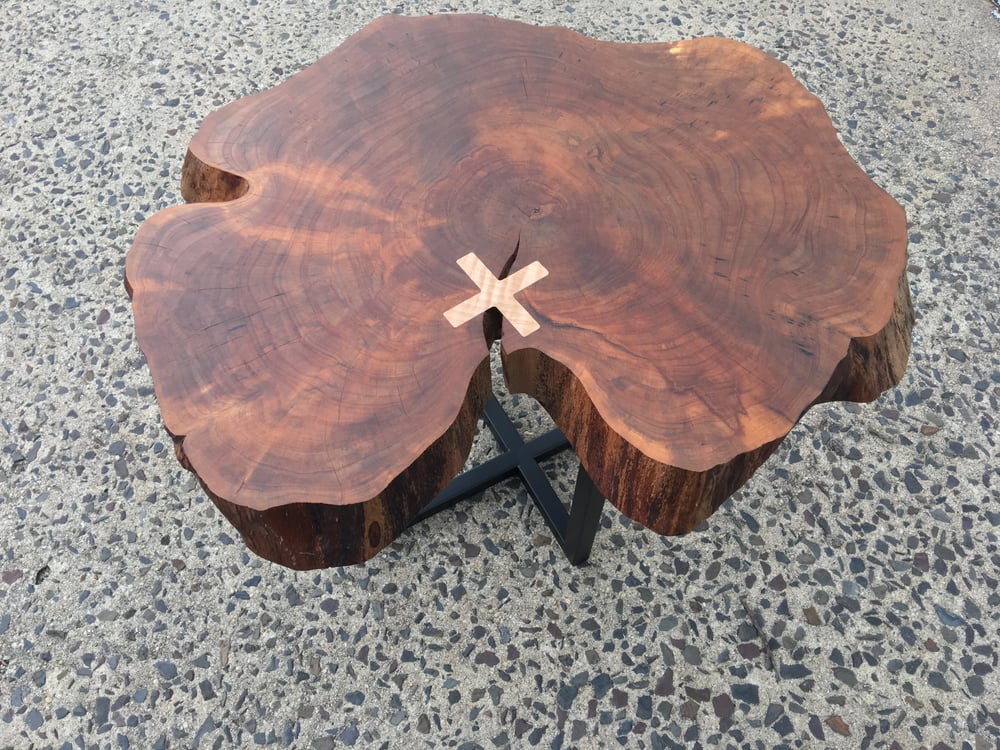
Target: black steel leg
(574, 530)
(584, 519)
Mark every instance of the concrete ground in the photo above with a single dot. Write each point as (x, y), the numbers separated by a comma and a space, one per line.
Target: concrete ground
(846, 597)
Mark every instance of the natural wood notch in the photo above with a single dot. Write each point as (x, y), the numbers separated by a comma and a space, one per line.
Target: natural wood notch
(683, 256)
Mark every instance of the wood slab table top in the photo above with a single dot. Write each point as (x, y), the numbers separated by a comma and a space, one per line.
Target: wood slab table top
(677, 253)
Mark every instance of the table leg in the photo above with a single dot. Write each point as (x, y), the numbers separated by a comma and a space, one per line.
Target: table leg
(574, 530)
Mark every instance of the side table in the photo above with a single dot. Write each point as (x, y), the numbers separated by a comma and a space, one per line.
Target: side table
(676, 252)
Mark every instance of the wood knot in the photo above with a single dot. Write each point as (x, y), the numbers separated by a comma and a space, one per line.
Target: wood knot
(374, 534)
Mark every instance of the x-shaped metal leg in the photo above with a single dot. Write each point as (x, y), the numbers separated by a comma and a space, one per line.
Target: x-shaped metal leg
(574, 529)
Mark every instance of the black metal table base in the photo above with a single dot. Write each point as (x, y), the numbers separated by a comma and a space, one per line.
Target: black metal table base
(574, 529)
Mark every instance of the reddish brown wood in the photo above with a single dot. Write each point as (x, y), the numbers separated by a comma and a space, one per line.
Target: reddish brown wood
(693, 260)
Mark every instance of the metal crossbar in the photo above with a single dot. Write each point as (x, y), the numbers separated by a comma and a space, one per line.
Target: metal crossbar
(574, 529)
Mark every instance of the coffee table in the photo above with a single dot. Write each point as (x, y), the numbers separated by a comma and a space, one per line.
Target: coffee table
(676, 252)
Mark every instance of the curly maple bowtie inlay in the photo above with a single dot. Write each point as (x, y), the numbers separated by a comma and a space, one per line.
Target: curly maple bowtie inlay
(706, 262)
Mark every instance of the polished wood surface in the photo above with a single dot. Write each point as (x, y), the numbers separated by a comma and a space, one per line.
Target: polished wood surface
(678, 253)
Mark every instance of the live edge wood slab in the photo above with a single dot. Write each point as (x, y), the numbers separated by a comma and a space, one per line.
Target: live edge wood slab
(680, 257)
